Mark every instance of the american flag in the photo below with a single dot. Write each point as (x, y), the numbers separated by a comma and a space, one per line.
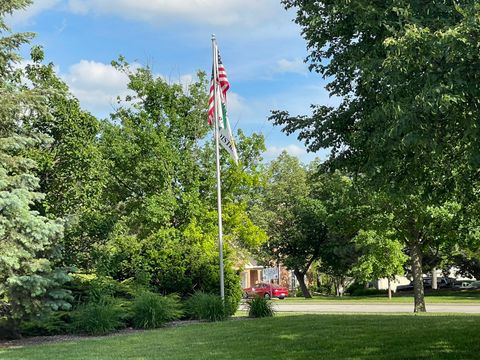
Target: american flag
(222, 81)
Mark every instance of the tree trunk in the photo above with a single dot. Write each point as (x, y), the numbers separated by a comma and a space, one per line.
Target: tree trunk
(389, 290)
(301, 280)
(417, 270)
(318, 280)
(338, 286)
(434, 279)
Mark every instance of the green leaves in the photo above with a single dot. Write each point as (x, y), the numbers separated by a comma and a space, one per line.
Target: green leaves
(382, 255)
(407, 74)
(159, 220)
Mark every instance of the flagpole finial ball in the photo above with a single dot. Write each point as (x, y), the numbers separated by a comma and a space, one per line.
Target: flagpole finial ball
(213, 36)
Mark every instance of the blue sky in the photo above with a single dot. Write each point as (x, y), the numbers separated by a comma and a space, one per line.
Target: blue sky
(261, 48)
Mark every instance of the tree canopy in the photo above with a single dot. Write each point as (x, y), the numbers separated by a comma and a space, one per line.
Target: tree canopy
(407, 119)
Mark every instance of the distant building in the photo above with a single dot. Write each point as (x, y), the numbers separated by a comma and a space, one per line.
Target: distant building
(442, 281)
(253, 273)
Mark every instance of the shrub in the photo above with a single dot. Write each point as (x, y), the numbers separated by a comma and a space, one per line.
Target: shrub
(202, 306)
(368, 292)
(325, 289)
(233, 292)
(97, 318)
(7, 331)
(51, 323)
(259, 307)
(88, 288)
(231, 304)
(152, 310)
(169, 260)
(355, 286)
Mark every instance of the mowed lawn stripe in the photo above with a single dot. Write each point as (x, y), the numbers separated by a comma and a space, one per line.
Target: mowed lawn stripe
(287, 337)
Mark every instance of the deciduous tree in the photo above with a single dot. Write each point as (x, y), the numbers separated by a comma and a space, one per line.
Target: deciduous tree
(406, 74)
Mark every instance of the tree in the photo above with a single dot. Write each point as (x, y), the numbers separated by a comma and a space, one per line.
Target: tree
(310, 217)
(294, 221)
(344, 218)
(467, 262)
(285, 190)
(405, 72)
(29, 281)
(161, 190)
(382, 256)
(69, 166)
(28, 241)
(464, 255)
(302, 249)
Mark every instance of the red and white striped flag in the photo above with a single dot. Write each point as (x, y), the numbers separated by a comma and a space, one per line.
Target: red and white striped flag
(223, 84)
(218, 105)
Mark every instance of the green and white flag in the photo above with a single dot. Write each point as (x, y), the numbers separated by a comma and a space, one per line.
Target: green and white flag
(225, 132)
(218, 105)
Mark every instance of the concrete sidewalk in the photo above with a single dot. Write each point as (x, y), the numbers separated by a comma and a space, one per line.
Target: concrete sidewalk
(280, 306)
(375, 308)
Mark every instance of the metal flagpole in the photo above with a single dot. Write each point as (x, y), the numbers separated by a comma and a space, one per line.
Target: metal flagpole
(219, 190)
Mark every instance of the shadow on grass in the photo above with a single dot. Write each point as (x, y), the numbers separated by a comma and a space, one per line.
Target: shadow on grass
(286, 337)
(368, 336)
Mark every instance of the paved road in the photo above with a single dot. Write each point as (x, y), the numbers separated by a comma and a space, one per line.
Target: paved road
(373, 308)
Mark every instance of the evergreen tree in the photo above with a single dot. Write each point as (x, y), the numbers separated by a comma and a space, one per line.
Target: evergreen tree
(28, 281)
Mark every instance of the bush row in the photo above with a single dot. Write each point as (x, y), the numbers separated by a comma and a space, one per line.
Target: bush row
(146, 311)
(103, 305)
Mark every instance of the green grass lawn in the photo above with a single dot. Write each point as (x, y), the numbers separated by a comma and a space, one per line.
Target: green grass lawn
(444, 296)
(284, 337)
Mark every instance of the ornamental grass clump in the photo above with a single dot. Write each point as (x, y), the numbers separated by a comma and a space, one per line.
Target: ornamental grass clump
(259, 307)
(97, 318)
(151, 310)
(202, 306)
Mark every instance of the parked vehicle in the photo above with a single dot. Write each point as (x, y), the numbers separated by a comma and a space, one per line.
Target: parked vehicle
(475, 285)
(266, 290)
(442, 282)
(427, 284)
(464, 284)
(407, 287)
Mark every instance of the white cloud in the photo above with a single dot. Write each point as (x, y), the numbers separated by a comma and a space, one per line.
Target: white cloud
(22, 64)
(182, 79)
(187, 80)
(291, 66)
(212, 12)
(90, 74)
(78, 6)
(237, 105)
(96, 85)
(38, 6)
(292, 149)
